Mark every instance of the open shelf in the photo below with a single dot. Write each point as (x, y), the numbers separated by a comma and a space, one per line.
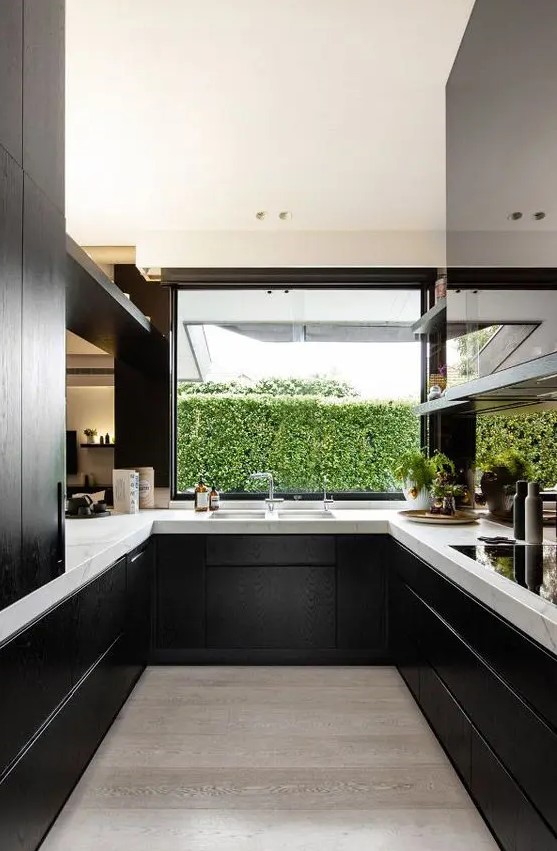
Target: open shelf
(97, 445)
(527, 385)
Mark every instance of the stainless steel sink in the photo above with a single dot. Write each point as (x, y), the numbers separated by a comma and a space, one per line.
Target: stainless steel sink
(239, 514)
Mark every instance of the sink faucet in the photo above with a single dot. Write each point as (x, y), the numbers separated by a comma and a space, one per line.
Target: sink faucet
(326, 501)
(271, 500)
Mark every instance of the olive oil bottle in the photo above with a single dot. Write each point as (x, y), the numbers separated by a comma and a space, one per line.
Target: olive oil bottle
(201, 496)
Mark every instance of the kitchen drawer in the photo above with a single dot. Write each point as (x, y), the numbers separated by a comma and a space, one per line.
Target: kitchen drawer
(528, 669)
(511, 816)
(525, 745)
(270, 549)
(35, 672)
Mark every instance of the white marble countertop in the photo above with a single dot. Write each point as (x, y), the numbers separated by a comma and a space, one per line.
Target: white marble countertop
(92, 546)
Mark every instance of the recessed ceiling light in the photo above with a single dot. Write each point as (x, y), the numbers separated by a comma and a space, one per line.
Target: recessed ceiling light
(514, 217)
(539, 215)
(285, 215)
(260, 215)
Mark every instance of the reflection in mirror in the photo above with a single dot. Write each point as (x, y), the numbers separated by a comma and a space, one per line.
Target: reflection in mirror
(502, 138)
(491, 329)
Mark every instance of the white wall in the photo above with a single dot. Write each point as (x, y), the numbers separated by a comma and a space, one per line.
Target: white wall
(91, 407)
(296, 248)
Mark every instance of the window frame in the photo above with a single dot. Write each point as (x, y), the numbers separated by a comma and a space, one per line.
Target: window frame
(421, 279)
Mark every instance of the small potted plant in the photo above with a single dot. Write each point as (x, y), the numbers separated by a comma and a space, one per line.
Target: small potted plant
(498, 482)
(416, 472)
(444, 491)
(90, 434)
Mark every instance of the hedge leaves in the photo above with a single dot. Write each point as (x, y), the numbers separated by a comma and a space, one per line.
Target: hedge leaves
(355, 443)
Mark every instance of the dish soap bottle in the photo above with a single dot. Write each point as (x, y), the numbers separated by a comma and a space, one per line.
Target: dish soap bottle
(214, 499)
(201, 496)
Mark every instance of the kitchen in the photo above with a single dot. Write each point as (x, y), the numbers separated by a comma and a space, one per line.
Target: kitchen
(306, 666)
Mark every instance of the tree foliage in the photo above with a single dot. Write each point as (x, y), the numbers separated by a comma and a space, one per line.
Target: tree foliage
(316, 385)
(299, 438)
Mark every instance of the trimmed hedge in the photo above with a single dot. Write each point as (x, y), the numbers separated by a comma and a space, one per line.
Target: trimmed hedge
(356, 444)
(533, 435)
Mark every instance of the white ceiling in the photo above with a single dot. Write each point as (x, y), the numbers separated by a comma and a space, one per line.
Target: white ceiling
(185, 115)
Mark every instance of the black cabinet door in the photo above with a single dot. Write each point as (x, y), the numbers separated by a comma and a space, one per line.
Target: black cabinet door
(11, 224)
(11, 76)
(180, 591)
(35, 672)
(511, 816)
(403, 633)
(99, 617)
(271, 606)
(44, 96)
(270, 549)
(139, 579)
(43, 397)
(450, 723)
(361, 593)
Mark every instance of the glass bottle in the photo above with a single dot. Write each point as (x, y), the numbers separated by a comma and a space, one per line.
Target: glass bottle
(201, 496)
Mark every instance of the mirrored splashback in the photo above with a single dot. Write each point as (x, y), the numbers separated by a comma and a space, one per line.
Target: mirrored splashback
(492, 329)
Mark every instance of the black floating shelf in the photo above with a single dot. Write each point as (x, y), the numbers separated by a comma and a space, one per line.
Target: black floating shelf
(97, 445)
(433, 321)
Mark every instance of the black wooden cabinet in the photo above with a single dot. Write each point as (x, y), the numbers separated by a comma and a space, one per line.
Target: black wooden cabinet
(43, 391)
(269, 599)
(361, 592)
(179, 604)
(64, 679)
(44, 96)
(502, 746)
(138, 595)
(11, 74)
(286, 607)
(11, 225)
(99, 618)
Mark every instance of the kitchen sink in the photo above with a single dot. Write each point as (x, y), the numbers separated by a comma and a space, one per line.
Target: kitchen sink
(239, 514)
(305, 514)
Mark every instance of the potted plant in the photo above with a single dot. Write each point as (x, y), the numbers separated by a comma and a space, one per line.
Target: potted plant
(90, 434)
(498, 482)
(444, 491)
(416, 472)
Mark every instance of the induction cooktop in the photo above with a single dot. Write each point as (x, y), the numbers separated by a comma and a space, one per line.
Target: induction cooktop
(532, 566)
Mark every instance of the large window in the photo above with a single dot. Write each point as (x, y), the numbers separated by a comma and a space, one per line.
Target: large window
(311, 385)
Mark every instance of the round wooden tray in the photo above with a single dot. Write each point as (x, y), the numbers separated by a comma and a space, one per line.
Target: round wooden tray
(461, 518)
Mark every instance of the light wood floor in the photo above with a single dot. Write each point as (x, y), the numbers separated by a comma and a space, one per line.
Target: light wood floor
(261, 759)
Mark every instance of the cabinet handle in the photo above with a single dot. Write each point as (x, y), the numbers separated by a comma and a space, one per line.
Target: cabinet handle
(60, 535)
(137, 556)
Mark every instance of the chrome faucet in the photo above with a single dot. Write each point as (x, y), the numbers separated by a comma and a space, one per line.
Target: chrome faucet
(271, 500)
(326, 501)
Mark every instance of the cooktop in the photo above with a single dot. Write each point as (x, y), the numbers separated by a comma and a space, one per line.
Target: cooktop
(532, 566)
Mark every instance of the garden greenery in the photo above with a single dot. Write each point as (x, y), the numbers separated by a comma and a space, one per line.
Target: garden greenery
(357, 444)
(534, 436)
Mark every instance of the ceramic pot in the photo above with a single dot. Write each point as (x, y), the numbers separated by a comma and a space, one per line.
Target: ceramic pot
(498, 491)
(418, 500)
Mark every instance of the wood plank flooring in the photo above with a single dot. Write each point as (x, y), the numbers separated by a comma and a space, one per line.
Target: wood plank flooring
(262, 759)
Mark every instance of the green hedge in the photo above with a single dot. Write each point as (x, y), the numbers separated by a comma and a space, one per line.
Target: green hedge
(300, 439)
(534, 435)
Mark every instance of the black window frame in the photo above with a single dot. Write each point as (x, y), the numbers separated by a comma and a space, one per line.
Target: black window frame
(403, 278)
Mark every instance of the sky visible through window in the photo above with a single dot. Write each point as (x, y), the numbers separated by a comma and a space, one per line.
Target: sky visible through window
(376, 370)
